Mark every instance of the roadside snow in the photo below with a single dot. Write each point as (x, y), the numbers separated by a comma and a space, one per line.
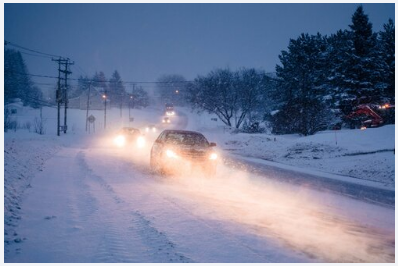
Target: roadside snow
(24, 156)
(364, 154)
(98, 194)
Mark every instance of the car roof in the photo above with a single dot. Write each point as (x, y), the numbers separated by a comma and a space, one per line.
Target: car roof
(181, 131)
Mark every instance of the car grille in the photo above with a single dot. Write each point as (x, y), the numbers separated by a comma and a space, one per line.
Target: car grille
(194, 154)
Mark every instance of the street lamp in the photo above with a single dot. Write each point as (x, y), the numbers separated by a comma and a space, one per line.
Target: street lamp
(104, 97)
(131, 98)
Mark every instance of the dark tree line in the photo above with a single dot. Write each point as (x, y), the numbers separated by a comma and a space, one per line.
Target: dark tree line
(114, 89)
(323, 78)
(319, 81)
(17, 82)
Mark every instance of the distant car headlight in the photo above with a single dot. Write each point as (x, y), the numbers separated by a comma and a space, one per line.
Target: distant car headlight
(171, 154)
(154, 129)
(147, 129)
(213, 156)
(120, 141)
(141, 142)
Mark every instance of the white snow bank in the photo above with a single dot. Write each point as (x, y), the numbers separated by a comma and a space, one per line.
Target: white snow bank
(24, 155)
(365, 154)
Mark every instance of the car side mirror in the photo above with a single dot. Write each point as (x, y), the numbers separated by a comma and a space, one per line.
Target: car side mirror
(212, 144)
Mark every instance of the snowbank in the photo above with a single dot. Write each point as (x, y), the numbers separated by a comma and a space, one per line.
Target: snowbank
(24, 155)
(365, 154)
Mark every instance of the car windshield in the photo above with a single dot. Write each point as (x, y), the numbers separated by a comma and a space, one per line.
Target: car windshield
(192, 139)
(131, 131)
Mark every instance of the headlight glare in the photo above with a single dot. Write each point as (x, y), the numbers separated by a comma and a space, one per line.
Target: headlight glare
(213, 156)
(171, 154)
(141, 142)
(120, 141)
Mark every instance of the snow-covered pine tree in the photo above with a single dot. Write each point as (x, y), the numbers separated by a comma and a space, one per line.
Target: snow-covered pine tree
(83, 83)
(387, 49)
(99, 81)
(116, 90)
(362, 66)
(302, 75)
(17, 82)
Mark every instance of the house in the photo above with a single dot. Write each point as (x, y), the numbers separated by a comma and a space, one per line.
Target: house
(15, 107)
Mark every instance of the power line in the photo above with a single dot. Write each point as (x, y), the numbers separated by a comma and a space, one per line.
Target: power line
(30, 50)
(37, 55)
(106, 81)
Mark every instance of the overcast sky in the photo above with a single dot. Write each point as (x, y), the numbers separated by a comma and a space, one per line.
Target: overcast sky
(145, 41)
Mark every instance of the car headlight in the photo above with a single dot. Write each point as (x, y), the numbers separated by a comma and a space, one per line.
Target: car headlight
(120, 141)
(213, 156)
(147, 129)
(154, 129)
(141, 142)
(171, 154)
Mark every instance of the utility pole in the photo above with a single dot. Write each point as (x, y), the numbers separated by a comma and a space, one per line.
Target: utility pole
(133, 96)
(62, 95)
(66, 72)
(88, 103)
(105, 97)
(58, 95)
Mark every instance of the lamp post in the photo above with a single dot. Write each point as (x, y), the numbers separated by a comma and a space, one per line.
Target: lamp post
(104, 97)
(131, 97)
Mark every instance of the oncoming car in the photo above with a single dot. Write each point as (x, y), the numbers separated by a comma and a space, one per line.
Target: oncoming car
(174, 150)
(129, 136)
(150, 128)
(166, 120)
(170, 113)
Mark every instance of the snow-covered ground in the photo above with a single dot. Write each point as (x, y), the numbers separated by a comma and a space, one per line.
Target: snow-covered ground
(77, 198)
(364, 154)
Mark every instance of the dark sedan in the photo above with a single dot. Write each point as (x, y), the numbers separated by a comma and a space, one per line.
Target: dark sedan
(174, 150)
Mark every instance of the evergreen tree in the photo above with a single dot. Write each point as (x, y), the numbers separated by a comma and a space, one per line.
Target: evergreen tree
(362, 72)
(99, 81)
(116, 90)
(387, 48)
(83, 84)
(303, 78)
(139, 98)
(17, 82)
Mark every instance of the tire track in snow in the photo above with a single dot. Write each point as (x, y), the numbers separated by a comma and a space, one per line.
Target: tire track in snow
(114, 247)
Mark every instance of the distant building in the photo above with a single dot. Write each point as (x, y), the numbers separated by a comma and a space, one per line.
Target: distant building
(15, 107)
(96, 101)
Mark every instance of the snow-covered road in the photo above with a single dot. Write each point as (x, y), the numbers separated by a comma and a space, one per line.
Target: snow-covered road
(93, 202)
